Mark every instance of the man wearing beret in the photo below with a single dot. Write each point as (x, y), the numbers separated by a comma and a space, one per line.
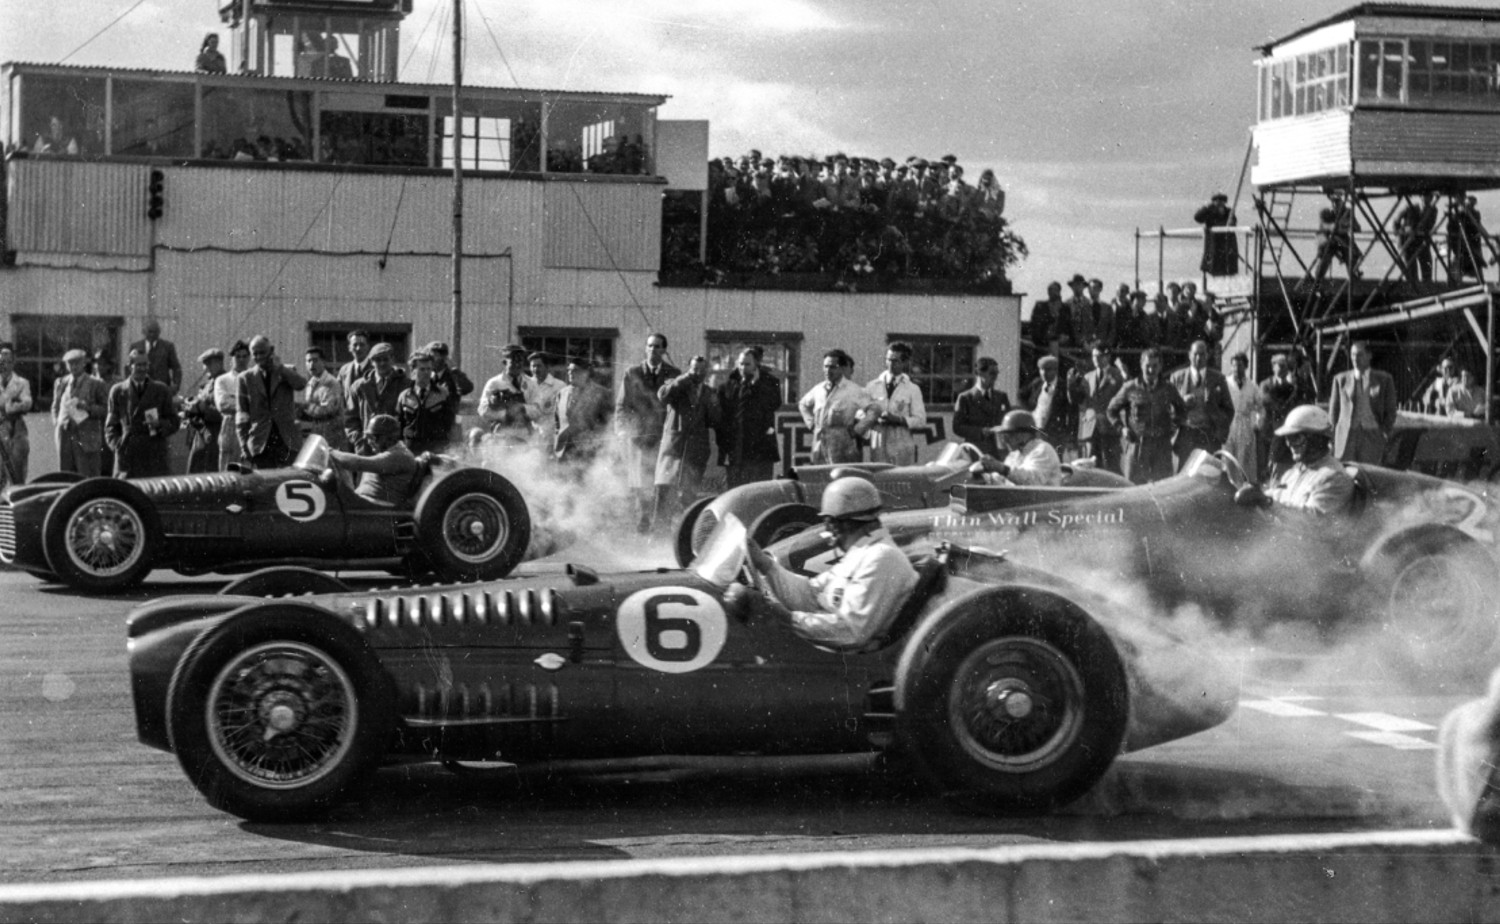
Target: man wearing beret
(79, 405)
(202, 416)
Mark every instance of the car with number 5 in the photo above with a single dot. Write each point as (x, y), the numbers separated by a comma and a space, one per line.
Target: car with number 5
(102, 535)
(1008, 688)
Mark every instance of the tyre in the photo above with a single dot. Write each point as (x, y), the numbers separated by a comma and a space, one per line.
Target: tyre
(473, 525)
(282, 582)
(1438, 596)
(101, 535)
(683, 545)
(782, 521)
(1012, 700)
(57, 478)
(277, 712)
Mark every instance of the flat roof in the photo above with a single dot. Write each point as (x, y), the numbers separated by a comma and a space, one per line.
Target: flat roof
(371, 86)
(1392, 10)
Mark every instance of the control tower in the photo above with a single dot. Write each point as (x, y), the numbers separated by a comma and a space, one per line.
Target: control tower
(1374, 128)
(347, 39)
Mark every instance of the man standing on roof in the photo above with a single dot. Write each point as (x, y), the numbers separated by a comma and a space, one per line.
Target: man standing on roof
(853, 601)
(1221, 254)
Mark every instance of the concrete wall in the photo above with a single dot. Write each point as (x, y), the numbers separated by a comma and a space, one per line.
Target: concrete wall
(1400, 876)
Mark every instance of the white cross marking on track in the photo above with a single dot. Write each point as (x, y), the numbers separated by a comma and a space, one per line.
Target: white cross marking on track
(1380, 721)
(1393, 740)
(1280, 708)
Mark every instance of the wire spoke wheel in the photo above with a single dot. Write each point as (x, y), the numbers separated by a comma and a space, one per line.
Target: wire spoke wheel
(105, 537)
(475, 527)
(1016, 703)
(281, 715)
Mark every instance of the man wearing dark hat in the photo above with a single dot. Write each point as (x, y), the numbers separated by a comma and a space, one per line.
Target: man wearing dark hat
(376, 393)
(80, 402)
(142, 415)
(202, 416)
(1080, 327)
(1221, 253)
(386, 466)
(1030, 460)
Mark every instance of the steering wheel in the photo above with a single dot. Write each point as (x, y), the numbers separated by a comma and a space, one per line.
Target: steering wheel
(1233, 470)
(973, 452)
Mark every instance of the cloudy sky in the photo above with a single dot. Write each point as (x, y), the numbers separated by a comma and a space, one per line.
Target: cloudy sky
(1098, 115)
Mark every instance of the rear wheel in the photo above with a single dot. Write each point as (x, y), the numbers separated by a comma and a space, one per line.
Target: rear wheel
(781, 522)
(100, 535)
(473, 525)
(1012, 700)
(276, 713)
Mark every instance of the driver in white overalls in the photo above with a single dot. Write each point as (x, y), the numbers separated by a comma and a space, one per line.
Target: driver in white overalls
(851, 602)
(1316, 481)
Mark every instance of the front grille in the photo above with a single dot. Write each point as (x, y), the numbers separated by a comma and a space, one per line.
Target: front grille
(7, 533)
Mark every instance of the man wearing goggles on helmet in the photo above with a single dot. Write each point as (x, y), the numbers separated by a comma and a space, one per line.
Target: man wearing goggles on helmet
(853, 601)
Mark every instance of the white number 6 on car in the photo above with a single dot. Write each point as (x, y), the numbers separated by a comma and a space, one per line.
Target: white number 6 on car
(303, 501)
(674, 630)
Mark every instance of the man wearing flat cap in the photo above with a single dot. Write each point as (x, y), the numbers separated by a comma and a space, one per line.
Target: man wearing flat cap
(80, 402)
(451, 379)
(202, 417)
(377, 393)
(1221, 253)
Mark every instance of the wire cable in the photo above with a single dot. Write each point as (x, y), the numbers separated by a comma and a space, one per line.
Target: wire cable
(91, 38)
(479, 8)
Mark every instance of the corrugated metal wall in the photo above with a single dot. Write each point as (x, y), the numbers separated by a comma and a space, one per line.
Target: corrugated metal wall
(1306, 148)
(581, 217)
(78, 207)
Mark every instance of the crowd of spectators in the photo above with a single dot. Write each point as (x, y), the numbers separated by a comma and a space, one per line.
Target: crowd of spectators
(868, 223)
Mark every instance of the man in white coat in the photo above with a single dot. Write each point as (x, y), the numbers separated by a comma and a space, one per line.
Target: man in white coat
(1244, 442)
(896, 413)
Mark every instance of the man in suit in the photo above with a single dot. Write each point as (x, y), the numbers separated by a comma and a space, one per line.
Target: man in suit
(1091, 394)
(1210, 406)
(1047, 398)
(142, 416)
(80, 403)
(162, 355)
(351, 372)
(202, 416)
(1363, 408)
(15, 401)
(376, 393)
(981, 408)
(748, 403)
(692, 413)
(639, 415)
(266, 408)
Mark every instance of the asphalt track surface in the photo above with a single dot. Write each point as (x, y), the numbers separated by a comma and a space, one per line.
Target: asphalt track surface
(1323, 742)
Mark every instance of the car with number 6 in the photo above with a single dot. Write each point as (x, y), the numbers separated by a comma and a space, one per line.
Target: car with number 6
(102, 535)
(1007, 687)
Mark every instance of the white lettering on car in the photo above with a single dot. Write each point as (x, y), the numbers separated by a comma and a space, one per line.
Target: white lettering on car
(675, 630)
(302, 501)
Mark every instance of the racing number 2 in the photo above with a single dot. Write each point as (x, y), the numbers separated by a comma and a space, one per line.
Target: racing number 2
(674, 630)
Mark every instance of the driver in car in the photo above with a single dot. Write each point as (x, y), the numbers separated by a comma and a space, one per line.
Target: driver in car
(1316, 481)
(1031, 459)
(386, 473)
(851, 602)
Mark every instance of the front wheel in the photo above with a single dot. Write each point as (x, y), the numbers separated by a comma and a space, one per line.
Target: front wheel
(1012, 700)
(1438, 595)
(100, 535)
(781, 522)
(276, 713)
(473, 525)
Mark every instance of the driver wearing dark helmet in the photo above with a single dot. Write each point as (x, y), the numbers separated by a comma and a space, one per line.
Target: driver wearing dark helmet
(856, 598)
(1031, 459)
(386, 473)
(1316, 481)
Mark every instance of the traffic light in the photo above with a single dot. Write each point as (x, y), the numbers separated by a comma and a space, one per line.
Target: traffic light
(155, 197)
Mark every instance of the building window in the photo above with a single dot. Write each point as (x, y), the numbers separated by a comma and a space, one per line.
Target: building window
(486, 143)
(40, 342)
(783, 356)
(1307, 84)
(560, 343)
(333, 338)
(941, 366)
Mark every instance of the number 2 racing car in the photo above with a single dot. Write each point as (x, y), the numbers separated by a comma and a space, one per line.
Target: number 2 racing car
(781, 507)
(1006, 686)
(105, 534)
(1411, 556)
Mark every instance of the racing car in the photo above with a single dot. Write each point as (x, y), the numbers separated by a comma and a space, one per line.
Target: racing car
(1412, 555)
(785, 506)
(1007, 687)
(103, 535)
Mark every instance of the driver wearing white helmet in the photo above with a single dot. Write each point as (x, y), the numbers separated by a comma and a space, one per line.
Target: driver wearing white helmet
(1316, 481)
(853, 601)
